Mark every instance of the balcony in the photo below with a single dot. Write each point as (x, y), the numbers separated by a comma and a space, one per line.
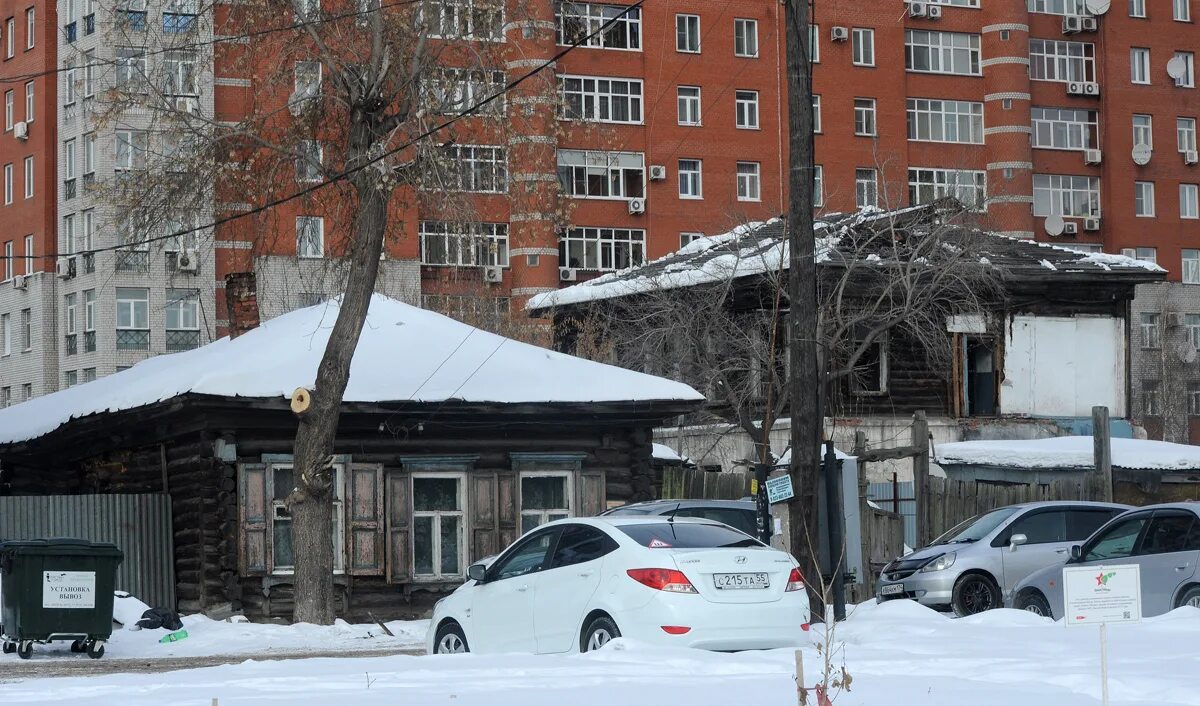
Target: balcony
(70, 30)
(182, 340)
(89, 24)
(72, 345)
(89, 341)
(133, 261)
(133, 340)
(177, 23)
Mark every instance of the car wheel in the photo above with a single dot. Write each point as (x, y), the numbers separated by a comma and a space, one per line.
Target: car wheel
(599, 633)
(1191, 597)
(974, 593)
(1035, 603)
(450, 640)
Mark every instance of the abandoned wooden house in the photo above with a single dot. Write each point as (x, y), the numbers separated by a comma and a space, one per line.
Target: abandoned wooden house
(452, 442)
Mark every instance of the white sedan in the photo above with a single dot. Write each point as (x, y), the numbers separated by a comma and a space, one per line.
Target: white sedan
(576, 584)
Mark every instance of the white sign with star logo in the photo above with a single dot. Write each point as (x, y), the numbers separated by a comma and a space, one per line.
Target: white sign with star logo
(1102, 594)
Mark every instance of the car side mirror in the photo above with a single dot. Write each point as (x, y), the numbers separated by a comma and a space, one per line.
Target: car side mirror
(1015, 541)
(477, 572)
(1076, 552)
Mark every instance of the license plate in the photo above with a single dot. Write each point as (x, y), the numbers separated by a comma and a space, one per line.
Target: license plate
(733, 581)
(892, 589)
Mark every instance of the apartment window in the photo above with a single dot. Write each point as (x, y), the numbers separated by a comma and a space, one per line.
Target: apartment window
(29, 102)
(686, 239)
(1181, 10)
(1060, 60)
(88, 375)
(465, 19)
(927, 184)
(180, 15)
(182, 319)
(26, 392)
(1190, 270)
(10, 263)
(70, 318)
(1058, 7)
(687, 33)
(89, 156)
(935, 120)
(864, 46)
(1151, 327)
(68, 165)
(453, 91)
(475, 168)
(602, 175)
(5, 397)
(10, 40)
(1151, 398)
(690, 179)
(5, 335)
(1066, 195)
(1065, 128)
(68, 91)
(131, 69)
(309, 161)
(942, 52)
(814, 44)
(466, 244)
(864, 117)
(29, 258)
(179, 73)
(1188, 79)
(1141, 254)
(577, 20)
(1143, 199)
(8, 184)
(131, 150)
(8, 110)
(89, 310)
(439, 549)
(1185, 134)
(601, 100)
(26, 329)
(818, 185)
(1143, 130)
(746, 109)
(748, 184)
(307, 80)
(745, 38)
(1137, 8)
(866, 188)
(30, 28)
(70, 378)
(602, 248)
(68, 234)
(133, 318)
(1189, 206)
(545, 497)
(29, 177)
(1139, 65)
(310, 236)
(816, 116)
(689, 104)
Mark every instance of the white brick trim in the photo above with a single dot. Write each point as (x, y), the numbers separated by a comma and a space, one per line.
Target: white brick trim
(1006, 25)
(1022, 234)
(527, 64)
(533, 139)
(1016, 198)
(532, 251)
(1000, 129)
(233, 245)
(536, 24)
(1010, 165)
(530, 291)
(1023, 60)
(534, 177)
(232, 82)
(528, 217)
(1007, 96)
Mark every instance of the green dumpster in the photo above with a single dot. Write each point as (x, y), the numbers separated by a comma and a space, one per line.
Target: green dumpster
(57, 589)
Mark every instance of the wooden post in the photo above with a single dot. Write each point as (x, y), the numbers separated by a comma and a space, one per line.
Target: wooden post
(1102, 451)
(920, 443)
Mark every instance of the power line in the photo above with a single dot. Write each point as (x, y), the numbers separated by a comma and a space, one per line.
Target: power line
(472, 110)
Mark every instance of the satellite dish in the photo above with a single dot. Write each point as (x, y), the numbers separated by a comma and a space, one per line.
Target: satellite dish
(1177, 67)
(1141, 154)
(1098, 7)
(1055, 225)
(1186, 352)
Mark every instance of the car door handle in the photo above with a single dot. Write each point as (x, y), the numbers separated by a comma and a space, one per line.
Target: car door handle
(1185, 567)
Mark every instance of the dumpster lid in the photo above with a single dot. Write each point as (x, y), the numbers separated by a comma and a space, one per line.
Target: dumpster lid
(60, 546)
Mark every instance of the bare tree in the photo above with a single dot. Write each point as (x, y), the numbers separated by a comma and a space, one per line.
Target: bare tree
(1168, 372)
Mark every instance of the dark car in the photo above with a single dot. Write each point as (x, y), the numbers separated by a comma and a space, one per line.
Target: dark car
(739, 514)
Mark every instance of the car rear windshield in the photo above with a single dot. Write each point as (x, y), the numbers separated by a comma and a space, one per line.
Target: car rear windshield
(687, 535)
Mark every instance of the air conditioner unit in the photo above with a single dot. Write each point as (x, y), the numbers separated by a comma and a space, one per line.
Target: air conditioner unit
(1091, 88)
(493, 274)
(637, 205)
(840, 34)
(567, 274)
(1070, 228)
(1191, 157)
(18, 281)
(934, 12)
(1091, 224)
(1092, 156)
(64, 267)
(918, 9)
(1174, 319)
(657, 172)
(1072, 24)
(187, 104)
(1075, 88)
(1089, 24)
(21, 130)
(188, 261)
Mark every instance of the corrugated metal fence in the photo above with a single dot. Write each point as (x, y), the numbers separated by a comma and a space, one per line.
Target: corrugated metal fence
(882, 494)
(139, 524)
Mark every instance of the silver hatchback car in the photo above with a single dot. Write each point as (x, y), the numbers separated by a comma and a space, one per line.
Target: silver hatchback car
(976, 565)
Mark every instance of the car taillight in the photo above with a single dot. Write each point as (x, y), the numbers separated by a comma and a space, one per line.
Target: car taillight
(795, 581)
(668, 580)
(676, 629)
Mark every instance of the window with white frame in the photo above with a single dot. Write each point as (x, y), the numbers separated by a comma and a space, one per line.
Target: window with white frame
(89, 229)
(1189, 204)
(133, 308)
(1181, 10)
(942, 52)
(183, 316)
(1151, 328)
(29, 256)
(1143, 199)
(71, 378)
(179, 73)
(89, 310)
(466, 244)
(30, 104)
(688, 99)
(1185, 134)
(928, 184)
(8, 184)
(748, 184)
(1191, 322)
(310, 236)
(745, 109)
(601, 100)
(8, 110)
(1061, 60)
(439, 525)
(132, 146)
(745, 37)
(864, 117)
(814, 44)
(68, 234)
(1141, 254)
(938, 120)
(1151, 398)
(1058, 7)
(1188, 78)
(686, 239)
(68, 90)
(89, 74)
(1065, 128)
(131, 69)
(306, 80)
(464, 19)
(598, 248)
(10, 262)
(816, 113)
(1139, 65)
(475, 168)
(29, 177)
(89, 155)
(818, 185)
(309, 161)
(863, 41)
(1066, 195)
(280, 484)
(577, 20)
(690, 179)
(450, 91)
(1190, 269)
(5, 334)
(866, 188)
(602, 175)
(687, 33)
(30, 28)
(1137, 8)
(545, 497)
(1143, 130)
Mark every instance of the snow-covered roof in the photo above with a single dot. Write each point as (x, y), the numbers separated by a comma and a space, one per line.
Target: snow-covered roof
(759, 247)
(662, 452)
(1069, 452)
(404, 354)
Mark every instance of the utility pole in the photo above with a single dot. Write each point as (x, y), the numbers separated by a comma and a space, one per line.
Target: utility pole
(805, 385)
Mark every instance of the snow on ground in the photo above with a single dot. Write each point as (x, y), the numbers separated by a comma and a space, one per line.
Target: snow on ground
(1070, 452)
(896, 653)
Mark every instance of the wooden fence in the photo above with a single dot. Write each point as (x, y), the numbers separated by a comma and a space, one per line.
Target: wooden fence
(687, 483)
(952, 501)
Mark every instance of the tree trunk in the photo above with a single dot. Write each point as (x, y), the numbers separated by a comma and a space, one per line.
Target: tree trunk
(804, 386)
(311, 501)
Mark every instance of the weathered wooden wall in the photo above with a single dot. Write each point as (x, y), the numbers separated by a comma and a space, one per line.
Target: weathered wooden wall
(952, 501)
(689, 483)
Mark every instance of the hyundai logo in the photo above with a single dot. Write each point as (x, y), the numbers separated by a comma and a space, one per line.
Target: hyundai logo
(739, 560)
